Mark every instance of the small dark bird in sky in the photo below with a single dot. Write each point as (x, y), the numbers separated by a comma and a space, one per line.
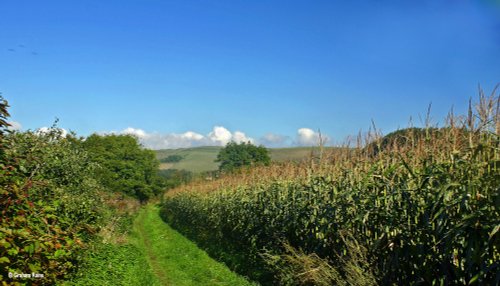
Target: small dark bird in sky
(21, 46)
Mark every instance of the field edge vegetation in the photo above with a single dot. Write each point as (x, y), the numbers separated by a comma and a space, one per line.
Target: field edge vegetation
(419, 206)
(64, 199)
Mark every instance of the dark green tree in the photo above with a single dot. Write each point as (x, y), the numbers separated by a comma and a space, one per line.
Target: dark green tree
(124, 165)
(235, 156)
(172, 159)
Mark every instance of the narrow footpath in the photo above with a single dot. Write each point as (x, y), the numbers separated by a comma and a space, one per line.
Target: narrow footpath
(174, 259)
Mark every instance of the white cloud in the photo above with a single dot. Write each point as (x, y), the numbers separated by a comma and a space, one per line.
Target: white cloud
(165, 141)
(219, 136)
(136, 132)
(240, 137)
(45, 130)
(192, 135)
(14, 126)
(274, 140)
(307, 137)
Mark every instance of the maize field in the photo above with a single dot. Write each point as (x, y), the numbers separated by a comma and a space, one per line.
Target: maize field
(420, 210)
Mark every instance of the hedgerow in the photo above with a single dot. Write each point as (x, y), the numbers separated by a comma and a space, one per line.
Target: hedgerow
(48, 202)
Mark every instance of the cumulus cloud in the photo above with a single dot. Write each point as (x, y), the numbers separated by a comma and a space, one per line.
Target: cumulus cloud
(219, 136)
(274, 140)
(14, 126)
(45, 130)
(308, 137)
(166, 141)
(240, 137)
(190, 135)
(139, 133)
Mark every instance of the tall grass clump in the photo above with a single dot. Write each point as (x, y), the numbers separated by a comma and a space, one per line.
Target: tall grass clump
(419, 206)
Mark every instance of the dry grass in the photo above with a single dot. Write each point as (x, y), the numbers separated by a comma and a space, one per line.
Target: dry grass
(296, 267)
(123, 208)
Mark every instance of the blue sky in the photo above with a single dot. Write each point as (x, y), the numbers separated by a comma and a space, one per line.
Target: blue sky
(273, 70)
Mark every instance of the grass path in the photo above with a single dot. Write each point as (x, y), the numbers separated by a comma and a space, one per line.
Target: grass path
(154, 255)
(174, 259)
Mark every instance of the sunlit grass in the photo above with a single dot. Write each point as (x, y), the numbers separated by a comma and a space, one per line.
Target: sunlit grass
(176, 260)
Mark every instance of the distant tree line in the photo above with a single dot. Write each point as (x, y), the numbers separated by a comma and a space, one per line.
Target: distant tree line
(173, 178)
(172, 159)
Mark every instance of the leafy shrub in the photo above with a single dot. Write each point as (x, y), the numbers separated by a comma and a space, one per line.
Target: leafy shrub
(48, 203)
(124, 165)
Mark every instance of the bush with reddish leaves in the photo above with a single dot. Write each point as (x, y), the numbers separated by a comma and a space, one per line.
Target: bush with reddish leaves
(48, 202)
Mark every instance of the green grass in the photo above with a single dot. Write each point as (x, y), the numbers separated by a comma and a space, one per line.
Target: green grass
(111, 264)
(174, 259)
(155, 254)
(201, 159)
(196, 160)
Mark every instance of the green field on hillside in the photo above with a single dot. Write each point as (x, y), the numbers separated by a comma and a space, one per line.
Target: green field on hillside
(201, 159)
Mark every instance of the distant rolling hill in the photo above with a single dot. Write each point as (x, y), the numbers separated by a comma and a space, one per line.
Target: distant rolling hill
(201, 159)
